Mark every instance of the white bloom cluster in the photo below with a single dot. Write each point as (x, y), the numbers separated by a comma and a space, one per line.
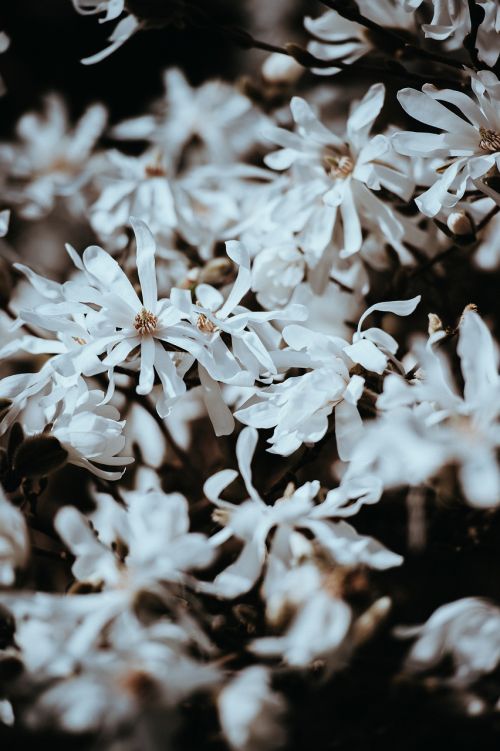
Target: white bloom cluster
(265, 258)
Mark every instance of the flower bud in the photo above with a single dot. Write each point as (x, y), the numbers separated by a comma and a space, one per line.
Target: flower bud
(281, 69)
(435, 324)
(459, 223)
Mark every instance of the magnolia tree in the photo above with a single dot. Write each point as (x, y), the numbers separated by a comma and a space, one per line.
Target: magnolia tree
(237, 426)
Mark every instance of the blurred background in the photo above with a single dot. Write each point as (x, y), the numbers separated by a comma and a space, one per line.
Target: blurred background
(48, 39)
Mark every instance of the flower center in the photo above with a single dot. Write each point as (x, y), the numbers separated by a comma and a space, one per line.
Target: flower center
(145, 322)
(490, 140)
(339, 166)
(205, 324)
(154, 170)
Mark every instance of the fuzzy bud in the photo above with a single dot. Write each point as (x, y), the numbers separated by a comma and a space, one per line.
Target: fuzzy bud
(281, 69)
(459, 223)
(435, 324)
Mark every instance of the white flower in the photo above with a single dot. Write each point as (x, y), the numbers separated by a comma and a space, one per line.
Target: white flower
(215, 114)
(14, 545)
(141, 545)
(123, 322)
(103, 315)
(469, 143)
(299, 407)
(468, 630)
(89, 665)
(319, 631)
(250, 712)
(134, 186)
(51, 160)
(252, 520)
(348, 41)
(333, 180)
(92, 433)
(442, 427)
(255, 343)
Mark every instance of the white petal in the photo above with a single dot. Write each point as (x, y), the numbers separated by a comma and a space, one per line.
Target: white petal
(146, 249)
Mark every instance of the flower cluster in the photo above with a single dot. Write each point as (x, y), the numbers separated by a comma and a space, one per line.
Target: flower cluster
(265, 259)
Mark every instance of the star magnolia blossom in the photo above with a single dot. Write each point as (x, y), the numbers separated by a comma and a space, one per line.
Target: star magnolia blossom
(134, 186)
(145, 542)
(51, 160)
(252, 520)
(105, 316)
(214, 114)
(449, 428)
(91, 432)
(333, 180)
(468, 630)
(299, 407)
(93, 667)
(469, 144)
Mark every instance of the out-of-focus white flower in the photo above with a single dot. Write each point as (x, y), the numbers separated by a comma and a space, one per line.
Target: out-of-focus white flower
(91, 666)
(143, 544)
(250, 711)
(134, 186)
(469, 143)
(51, 160)
(333, 181)
(468, 630)
(318, 631)
(347, 41)
(14, 546)
(428, 425)
(215, 115)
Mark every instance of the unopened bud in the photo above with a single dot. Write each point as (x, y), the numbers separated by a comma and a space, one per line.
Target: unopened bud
(368, 623)
(470, 308)
(459, 223)
(281, 69)
(435, 324)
